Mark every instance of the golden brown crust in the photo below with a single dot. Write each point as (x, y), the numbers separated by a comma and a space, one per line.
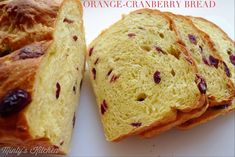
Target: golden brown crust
(25, 21)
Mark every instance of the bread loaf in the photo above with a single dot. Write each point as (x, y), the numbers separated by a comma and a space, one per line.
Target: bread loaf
(142, 77)
(42, 48)
(225, 47)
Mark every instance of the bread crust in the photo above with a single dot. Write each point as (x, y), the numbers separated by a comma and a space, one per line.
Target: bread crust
(182, 115)
(19, 71)
(210, 114)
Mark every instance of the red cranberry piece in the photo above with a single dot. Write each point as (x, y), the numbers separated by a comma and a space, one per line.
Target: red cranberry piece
(66, 20)
(58, 88)
(232, 59)
(159, 49)
(157, 77)
(226, 69)
(91, 51)
(114, 78)
(201, 84)
(104, 107)
(192, 39)
(131, 35)
(75, 38)
(220, 107)
(213, 61)
(205, 60)
(13, 102)
(94, 73)
(136, 124)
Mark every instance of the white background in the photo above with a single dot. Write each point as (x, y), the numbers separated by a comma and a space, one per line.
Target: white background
(215, 138)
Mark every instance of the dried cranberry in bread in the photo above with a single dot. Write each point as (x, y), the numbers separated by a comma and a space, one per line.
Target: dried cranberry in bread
(142, 76)
(225, 47)
(41, 73)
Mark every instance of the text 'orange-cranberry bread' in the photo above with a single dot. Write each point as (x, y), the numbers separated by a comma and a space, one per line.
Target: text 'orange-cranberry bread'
(225, 47)
(42, 48)
(142, 77)
(210, 65)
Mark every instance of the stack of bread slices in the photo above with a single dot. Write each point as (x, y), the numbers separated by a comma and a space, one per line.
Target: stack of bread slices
(152, 71)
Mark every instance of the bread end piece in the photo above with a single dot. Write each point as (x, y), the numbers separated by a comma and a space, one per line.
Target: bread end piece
(55, 79)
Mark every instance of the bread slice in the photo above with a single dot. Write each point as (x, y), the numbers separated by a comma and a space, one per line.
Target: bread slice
(142, 77)
(40, 82)
(210, 64)
(200, 46)
(225, 46)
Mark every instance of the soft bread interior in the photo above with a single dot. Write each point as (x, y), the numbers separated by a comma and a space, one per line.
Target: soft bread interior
(128, 54)
(57, 85)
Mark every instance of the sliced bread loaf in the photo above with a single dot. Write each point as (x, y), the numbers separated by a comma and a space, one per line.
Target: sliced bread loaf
(210, 64)
(225, 47)
(40, 81)
(142, 77)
